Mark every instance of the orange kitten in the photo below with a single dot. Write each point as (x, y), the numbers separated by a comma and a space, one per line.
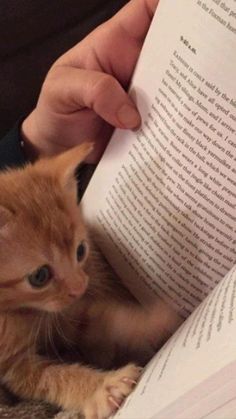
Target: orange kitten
(57, 294)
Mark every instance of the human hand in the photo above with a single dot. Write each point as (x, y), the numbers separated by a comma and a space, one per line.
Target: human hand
(84, 94)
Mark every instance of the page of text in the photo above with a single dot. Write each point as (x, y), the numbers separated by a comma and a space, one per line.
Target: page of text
(163, 199)
(194, 374)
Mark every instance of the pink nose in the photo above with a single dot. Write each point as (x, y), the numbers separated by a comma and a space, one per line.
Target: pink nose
(78, 291)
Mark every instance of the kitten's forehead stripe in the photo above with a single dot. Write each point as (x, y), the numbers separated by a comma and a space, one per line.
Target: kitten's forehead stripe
(60, 233)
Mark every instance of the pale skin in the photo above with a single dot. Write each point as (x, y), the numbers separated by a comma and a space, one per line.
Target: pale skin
(84, 94)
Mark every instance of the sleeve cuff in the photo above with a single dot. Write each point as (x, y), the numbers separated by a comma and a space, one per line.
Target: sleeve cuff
(11, 152)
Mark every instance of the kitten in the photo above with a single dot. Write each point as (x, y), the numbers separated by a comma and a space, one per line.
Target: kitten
(57, 293)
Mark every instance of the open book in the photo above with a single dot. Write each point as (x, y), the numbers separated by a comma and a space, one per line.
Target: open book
(164, 199)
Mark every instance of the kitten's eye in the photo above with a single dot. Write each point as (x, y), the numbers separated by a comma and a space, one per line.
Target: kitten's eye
(81, 251)
(41, 277)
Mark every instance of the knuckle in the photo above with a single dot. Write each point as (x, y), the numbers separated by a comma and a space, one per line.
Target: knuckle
(104, 84)
(53, 82)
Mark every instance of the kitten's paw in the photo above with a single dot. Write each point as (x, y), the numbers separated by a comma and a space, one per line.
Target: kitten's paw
(117, 385)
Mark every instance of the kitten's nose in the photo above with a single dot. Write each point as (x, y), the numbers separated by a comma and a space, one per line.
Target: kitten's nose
(79, 289)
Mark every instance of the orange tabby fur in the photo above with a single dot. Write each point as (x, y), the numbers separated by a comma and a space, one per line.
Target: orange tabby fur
(83, 306)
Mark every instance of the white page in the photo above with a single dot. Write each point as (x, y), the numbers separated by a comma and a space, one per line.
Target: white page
(163, 199)
(226, 411)
(213, 398)
(194, 373)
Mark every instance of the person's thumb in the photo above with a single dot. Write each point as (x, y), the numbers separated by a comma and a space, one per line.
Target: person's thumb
(69, 89)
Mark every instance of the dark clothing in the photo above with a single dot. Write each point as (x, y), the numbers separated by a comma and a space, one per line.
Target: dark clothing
(11, 152)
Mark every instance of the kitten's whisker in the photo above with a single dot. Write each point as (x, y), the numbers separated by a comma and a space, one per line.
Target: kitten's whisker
(67, 317)
(50, 336)
(34, 336)
(61, 333)
(47, 341)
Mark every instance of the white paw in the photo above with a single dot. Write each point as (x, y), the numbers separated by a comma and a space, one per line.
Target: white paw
(117, 385)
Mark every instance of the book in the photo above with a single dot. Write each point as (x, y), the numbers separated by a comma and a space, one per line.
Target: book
(163, 202)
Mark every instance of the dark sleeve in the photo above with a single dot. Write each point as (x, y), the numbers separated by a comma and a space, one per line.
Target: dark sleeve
(11, 152)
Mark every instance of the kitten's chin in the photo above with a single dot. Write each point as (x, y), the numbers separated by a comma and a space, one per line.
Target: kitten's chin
(56, 306)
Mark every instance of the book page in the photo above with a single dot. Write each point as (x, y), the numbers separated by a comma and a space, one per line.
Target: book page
(163, 199)
(194, 374)
(214, 398)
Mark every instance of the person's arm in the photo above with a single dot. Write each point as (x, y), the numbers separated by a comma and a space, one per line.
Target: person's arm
(84, 95)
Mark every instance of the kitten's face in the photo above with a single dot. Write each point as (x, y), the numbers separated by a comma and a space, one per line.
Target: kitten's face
(43, 240)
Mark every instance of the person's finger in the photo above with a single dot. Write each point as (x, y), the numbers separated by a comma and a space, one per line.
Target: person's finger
(135, 18)
(68, 90)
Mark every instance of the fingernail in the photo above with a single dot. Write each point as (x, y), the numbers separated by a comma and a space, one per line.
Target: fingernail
(129, 116)
(114, 401)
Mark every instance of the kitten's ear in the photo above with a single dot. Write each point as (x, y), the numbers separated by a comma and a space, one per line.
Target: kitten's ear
(5, 216)
(64, 165)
